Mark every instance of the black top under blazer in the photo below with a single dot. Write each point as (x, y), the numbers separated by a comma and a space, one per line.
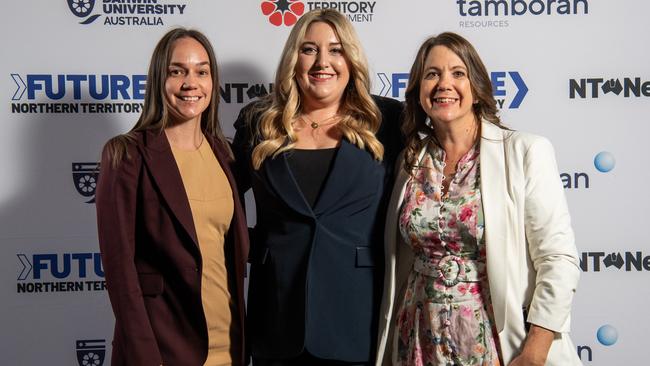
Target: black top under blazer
(317, 273)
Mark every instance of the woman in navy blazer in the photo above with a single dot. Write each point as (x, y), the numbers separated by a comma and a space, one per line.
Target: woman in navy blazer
(318, 154)
(152, 241)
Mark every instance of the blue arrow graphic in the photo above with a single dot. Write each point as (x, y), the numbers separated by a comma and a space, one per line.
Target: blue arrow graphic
(522, 89)
(385, 84)
(22, 87)
(27, 267)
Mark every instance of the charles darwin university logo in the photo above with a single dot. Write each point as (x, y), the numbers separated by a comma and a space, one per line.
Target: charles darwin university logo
(91, 352)
(84, 176)
(83, 8)
(282, 12)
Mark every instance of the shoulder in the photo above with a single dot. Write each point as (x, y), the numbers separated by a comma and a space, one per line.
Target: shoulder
(250, 114)
(516, 140)
(121, 152)
(527, 142)
(388, 106)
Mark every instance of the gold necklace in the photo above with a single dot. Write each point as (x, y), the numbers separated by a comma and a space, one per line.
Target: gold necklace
(314, 125)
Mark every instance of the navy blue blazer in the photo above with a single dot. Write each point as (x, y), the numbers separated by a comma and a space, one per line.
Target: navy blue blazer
(317, 273)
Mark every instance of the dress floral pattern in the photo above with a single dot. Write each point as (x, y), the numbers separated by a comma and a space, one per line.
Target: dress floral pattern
(446, 317)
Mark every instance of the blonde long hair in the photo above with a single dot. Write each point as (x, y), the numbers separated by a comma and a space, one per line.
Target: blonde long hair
(155, 113)
(362, 117)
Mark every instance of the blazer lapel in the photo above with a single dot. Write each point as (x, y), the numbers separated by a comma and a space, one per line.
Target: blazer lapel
(495, 199)
(158, 158)
(279, 176)
(342, 176)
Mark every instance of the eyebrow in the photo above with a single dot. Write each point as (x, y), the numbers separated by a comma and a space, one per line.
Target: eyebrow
(314, 43)
(183, 64)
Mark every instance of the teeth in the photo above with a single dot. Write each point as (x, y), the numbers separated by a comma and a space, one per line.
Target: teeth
(444, 100)
(190, 99)
(322, 76)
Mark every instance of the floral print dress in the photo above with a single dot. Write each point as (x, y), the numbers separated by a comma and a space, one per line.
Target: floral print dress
(445, 318)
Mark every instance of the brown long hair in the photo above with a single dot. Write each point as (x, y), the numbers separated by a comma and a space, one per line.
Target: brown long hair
(282, 108)
(155, 114)
(414, 125)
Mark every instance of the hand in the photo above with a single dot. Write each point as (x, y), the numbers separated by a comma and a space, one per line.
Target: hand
(535, 351)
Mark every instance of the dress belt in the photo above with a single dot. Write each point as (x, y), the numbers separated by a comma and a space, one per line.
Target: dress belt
(451, 269)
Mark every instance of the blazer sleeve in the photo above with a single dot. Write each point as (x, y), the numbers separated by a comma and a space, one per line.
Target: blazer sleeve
(242, 146)
(116, 201)
(551, 243)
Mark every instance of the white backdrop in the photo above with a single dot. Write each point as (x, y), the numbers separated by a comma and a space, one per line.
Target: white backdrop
(72, 76)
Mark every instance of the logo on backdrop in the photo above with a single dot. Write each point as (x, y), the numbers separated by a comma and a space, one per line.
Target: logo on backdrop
(509, 87)
(475, 12)
(62, 272)
(614, 261)
(604, 162)
(91, 352)
(287, 12)
(283, 12)
(84, 176)
(128, 13)
(244, 92)
(102, 93)
(592, 88)
(606, 336)
(77, 93)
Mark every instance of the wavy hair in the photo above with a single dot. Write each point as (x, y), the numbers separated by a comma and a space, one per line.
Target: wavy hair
(361, 119)
(155, 113)
(415, 125)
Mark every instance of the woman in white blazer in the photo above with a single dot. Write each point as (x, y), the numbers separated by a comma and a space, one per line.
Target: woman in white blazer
(524, 264)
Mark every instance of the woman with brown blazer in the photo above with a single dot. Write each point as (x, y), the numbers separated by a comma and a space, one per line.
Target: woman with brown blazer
(172, 232)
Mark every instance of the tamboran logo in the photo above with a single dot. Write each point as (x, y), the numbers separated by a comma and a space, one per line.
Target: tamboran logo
(84, 176)
(627, 261)
(478, 8)
(67, 272)
(592, 87)
(126, 12)
(604, 162)
(606, 335)
(64, 93)
(91, 352)
(503, 86)
(284, 12)
(236, 92)
(498, 9)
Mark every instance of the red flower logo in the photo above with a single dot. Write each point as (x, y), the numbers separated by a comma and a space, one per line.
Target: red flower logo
(283, 11)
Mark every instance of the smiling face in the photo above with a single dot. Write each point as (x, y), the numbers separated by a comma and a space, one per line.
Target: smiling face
(188, 87)
(322, 70)
(445, 90)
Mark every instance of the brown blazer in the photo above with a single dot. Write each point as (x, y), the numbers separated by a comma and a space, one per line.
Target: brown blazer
(152, 260)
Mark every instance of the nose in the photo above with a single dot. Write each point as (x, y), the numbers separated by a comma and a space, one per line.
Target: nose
(444, 81)
(189, 82)
(322, 60)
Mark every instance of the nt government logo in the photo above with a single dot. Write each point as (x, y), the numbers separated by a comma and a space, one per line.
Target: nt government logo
(287, 12)
(593, 88)
(125, 12)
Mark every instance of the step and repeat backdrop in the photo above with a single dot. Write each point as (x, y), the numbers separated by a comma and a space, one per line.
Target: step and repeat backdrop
(73, 75)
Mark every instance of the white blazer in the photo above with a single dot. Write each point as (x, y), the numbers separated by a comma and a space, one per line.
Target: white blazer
(532, 261)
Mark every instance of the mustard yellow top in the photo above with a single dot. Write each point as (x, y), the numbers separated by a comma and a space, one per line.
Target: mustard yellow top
(211, 201)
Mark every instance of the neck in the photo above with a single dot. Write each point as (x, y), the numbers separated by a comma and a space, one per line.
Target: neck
(186, 135)
(457, 137)
(318, 111)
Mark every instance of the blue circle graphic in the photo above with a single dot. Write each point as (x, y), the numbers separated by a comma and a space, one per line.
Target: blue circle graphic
(607, 335)
(604, 161)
